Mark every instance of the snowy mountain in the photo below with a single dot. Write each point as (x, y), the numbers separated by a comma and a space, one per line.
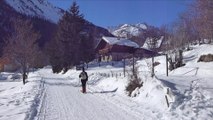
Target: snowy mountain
(139, 33)
(39, 8)
(129, 30)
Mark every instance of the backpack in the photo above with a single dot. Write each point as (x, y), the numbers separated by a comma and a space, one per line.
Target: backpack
(83, 76)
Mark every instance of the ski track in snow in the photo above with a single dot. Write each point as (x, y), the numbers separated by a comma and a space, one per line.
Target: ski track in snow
(65, 102)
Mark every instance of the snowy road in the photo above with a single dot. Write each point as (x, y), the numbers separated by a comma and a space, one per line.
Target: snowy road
(62, 101)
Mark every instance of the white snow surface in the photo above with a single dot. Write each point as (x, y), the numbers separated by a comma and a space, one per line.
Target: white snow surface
(39, 8)
(120, 41)
(141, 25)
(16, 99)
(49, 96)
(128, 29)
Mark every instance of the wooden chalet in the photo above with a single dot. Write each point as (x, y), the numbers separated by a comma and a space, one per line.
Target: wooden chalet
(115, 49)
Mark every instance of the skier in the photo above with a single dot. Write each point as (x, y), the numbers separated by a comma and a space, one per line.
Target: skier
(84, 77)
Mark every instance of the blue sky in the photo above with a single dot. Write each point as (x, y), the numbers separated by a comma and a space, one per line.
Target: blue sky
(114, 12)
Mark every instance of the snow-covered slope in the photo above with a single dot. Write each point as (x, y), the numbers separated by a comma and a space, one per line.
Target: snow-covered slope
(38, 8)
(127, 30)
(191, 85)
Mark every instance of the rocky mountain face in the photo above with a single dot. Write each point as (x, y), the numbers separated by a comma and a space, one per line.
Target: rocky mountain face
(9, 15)
(129, 30)
(37, 8)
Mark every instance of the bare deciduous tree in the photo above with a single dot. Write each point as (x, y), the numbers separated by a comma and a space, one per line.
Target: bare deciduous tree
(21, 46)
(152, 37)
(203, 18)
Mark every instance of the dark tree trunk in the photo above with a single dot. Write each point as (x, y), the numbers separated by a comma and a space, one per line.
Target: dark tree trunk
(24, 78)
(24, 75)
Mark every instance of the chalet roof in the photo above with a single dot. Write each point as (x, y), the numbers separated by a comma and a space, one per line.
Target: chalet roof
(120, 41)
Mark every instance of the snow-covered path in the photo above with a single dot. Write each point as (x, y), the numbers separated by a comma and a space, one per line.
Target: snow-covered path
(64, 101)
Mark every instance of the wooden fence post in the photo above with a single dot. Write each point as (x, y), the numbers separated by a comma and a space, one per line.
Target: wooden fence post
(167, 101)
(152, 75)
(124, 67)
(133, 69)
(167, 71)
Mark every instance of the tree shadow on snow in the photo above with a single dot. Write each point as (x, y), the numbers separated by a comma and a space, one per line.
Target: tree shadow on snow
(169, 84)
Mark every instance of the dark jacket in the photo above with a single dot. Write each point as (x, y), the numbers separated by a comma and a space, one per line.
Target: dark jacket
(81, 75)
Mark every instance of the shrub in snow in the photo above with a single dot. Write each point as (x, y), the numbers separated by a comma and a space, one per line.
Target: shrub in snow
(135, 82)
(206, 58)
(156, 64)
(135, 93)
(57, 68)
(132, 85)
(176, 61)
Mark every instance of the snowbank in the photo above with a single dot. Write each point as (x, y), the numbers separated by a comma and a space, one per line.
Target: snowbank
(16, 99)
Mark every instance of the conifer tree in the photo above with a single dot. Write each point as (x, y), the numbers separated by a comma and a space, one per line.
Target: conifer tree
(87, 48)
(68, 40)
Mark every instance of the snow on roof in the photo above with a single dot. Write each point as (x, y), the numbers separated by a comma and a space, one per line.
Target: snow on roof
(110, 40)
(120, 41)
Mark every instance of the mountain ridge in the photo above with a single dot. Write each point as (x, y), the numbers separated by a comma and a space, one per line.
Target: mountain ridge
(39, 8)
(128, 30)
